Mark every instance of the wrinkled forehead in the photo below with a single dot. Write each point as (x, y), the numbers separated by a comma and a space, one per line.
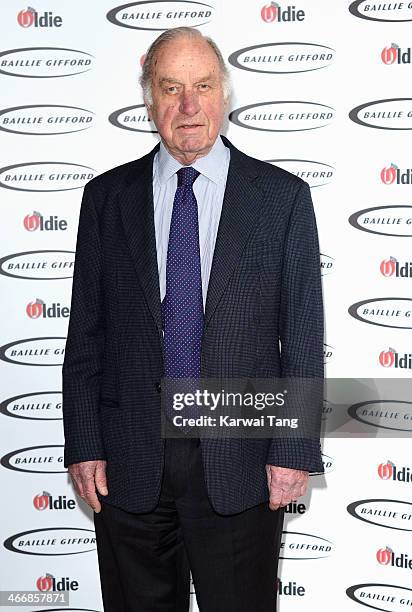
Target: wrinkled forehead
(188, 57)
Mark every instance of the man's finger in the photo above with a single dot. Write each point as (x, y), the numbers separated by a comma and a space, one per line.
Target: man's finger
(91, 497)
(100, 478)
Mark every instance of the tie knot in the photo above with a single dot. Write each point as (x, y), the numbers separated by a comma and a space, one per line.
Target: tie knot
(186, 176)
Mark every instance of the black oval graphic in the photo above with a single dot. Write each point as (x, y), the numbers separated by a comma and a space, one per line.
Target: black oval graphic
(233, 58)
(112, 14)
(234, 115)
(8, 543)
(354, 307)
(353, 412)
(5, 111)
(353, 219)
(5, 460)
(351, 508)
(353, 8)
(353, 114)
(47, 76)
(350, 592)
(6, 258)
(5, 347)
(114, 119)
(5, 403)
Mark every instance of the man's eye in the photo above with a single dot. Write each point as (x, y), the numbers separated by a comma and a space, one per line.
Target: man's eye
(204, 86)
(172, 89)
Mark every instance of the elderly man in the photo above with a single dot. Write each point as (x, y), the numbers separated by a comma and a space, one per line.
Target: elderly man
(195, 260)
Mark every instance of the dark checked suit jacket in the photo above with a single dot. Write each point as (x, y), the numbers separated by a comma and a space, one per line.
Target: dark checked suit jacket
(264, 286)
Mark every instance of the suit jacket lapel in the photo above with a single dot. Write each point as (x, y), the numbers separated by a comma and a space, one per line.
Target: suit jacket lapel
(240, 209)
(137, 212)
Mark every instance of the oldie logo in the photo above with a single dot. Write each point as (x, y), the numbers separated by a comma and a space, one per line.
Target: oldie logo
(382, 11)
(48, 351)
(45, 176)
(297, 546)
(39, 309)
(390, 471)
(283, 116)
(384, 220)
(47, 501)
(44, 62)
(390, 358)
(274, 13)
(46, 459)
(38, 265)
(53, 541)
(41, 405)
(389, 114)
(393, 175)
(394, 415)
(396, 55)
(133, 118)
(283, 57)
(161, 14)
(37, 222)
(394, 312)
(389, 558)
(315, 173)
(49, 583)
(392, 268)
(384, 597)
(45, 119)
(29, 17)
(391, 513)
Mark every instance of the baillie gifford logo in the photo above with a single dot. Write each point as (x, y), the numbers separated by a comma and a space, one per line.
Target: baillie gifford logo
(391, 268)
(49, 583)
(36, 221)
(30, 17)
(45, 501)
(396, 55)
(274, 13)
(389, 471)
(392, 359)
(41, 310)
(393, 175)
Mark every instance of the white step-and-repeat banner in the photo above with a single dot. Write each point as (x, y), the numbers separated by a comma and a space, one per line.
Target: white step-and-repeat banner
(321, 89)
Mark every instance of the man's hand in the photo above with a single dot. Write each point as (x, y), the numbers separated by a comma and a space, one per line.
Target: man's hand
(86, 476)
(285, 485)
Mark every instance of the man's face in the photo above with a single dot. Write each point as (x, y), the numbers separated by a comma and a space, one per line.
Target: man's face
(188, 104)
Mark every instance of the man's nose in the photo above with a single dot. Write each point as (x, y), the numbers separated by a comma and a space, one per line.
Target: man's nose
(189, 103)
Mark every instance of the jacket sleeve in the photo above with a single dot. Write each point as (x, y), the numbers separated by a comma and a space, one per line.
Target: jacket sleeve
(301, 330)
(82, 365)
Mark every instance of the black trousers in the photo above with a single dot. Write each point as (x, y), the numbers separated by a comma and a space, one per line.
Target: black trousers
(145, 560)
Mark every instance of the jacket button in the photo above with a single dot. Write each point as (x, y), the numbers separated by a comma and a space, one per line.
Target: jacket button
(158, 387)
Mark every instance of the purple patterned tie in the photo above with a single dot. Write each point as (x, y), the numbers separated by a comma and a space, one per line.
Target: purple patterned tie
(182, 307)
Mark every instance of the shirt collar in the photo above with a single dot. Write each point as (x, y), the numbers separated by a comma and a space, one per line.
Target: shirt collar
(212, 165)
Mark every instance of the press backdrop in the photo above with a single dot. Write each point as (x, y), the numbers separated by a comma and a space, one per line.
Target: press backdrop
(321, 89)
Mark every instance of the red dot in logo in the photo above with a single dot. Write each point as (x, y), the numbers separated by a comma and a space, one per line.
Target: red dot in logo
(269, 12)
(383, 555)
(387, 267)
(25, 18)
(388, 55)
(385, 471)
